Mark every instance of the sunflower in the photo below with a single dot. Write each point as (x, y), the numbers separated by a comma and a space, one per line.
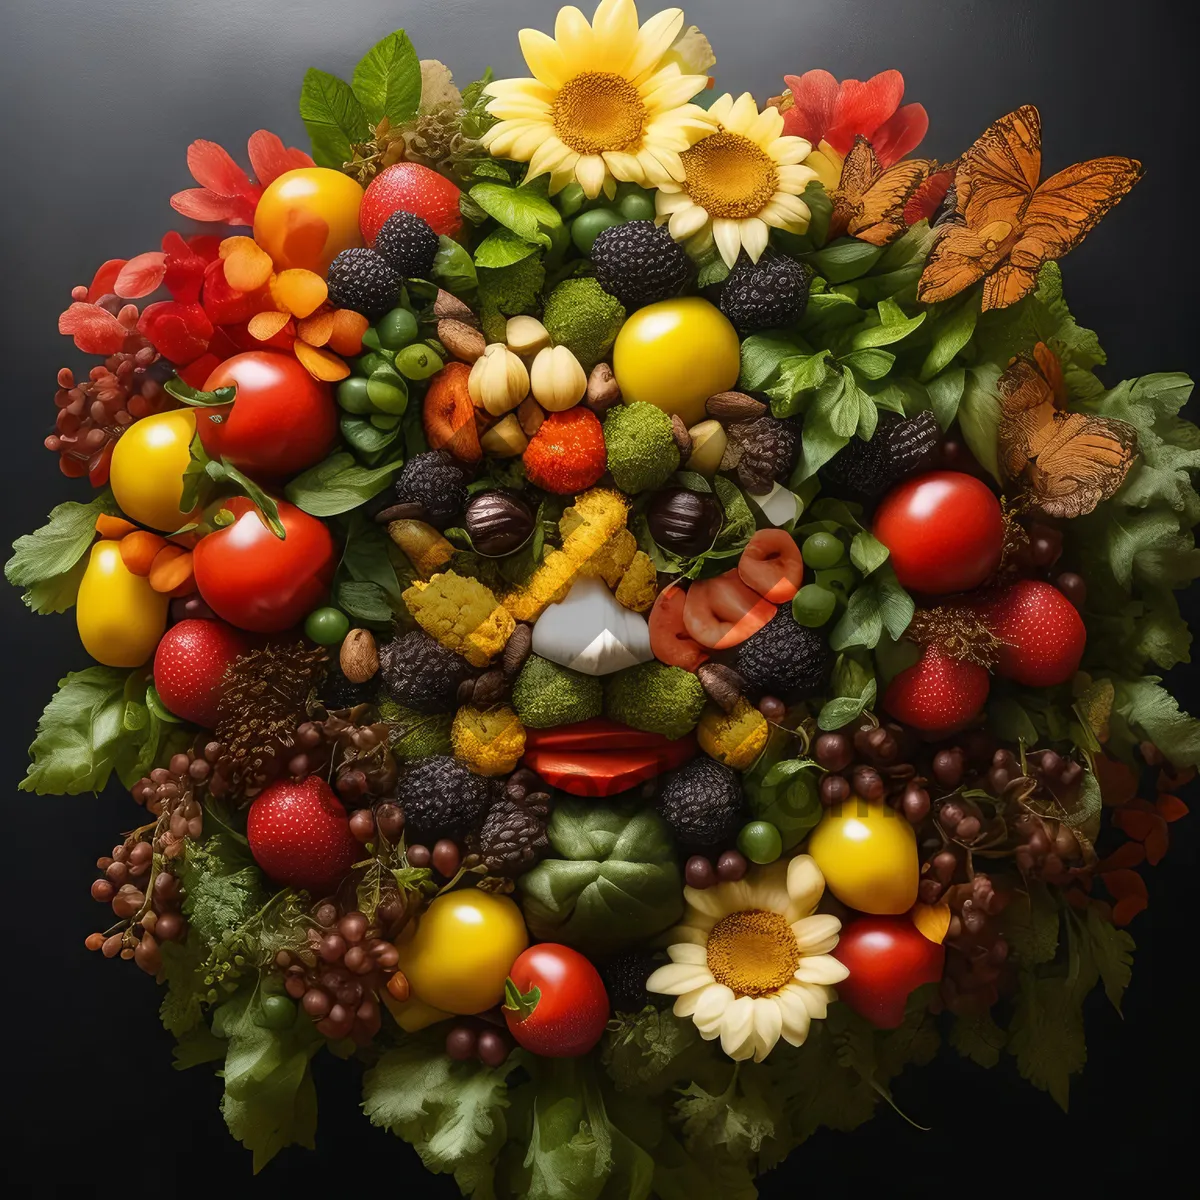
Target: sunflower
(608, 101)
(740, 179)
(751, 962)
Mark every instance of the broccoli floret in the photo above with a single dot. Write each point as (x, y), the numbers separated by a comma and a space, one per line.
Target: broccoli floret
(507, 292)
(655, 698)
(546, 694)
(414, 734)
(582, 316)
(642, 454)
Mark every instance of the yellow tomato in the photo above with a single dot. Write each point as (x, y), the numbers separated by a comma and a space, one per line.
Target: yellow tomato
(148, 463)
(119, 615)
(868, 855)
(307, 217)
(461, 953)
(676, 354)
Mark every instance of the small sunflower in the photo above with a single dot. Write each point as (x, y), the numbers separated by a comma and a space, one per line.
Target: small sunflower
(751, 962)
(607, 101)
(744, 177)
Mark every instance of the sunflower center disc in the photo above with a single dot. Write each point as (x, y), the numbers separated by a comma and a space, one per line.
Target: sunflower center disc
(753, 952)
(728, 175)
(599, 111)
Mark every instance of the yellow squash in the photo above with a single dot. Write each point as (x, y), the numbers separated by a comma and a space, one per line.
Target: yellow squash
(148, 463)
(119, 615)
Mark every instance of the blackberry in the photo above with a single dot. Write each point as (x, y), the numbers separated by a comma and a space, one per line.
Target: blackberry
(513, 835)
(364, 281)
(762, 451)
(767, 294)
(702, 803)
(625, 978)
(337, 692)
(783, 658)
(409, 245)
(902, 446)
(420, 673)
(640, 263)
(442, 799)
(435, 482)
(912, 444)
(859, 467)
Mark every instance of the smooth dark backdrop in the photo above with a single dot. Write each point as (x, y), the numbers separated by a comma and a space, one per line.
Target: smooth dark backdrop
(100, 101)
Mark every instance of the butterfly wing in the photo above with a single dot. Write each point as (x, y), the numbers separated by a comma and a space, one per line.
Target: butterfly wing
(959, 258)
(859, 170)
(1026, 409)
(881, 216)
(1077, 461)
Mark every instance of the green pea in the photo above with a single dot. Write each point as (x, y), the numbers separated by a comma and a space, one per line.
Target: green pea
(326, 626)
(813, 605)
(760, 842)
(388, 391)
(352, 395)
(636, 206)
(822, 550)
(278, 1012)
(570, 199)
(587, 226)
(396, 329)
(841, 581)
(417, 361)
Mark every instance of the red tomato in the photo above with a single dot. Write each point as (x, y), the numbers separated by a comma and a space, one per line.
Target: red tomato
(944, 531)
(887, 958)
(281, 421)
(256, 581)
(554, 1001)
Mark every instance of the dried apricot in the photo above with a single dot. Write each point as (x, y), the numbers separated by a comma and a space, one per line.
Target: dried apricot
(723, 612)
(449, 414)
(669, 641)
(772, 566)
(321, 363)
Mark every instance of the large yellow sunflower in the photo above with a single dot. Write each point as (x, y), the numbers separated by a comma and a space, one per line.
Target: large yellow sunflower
(751, 964)
(742, 178)
(605, 103)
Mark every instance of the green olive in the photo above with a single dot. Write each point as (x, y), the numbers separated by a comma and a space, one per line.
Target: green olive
(352, 395)
(370, 363)
(388, 391)
(841, 581)
(636, 206)
(278, 1012)
(813, 605)
(822, 550)
(570, 199)
(327, 626)
(587, 226)
(760, 842)
(418, 361)
(396, 329)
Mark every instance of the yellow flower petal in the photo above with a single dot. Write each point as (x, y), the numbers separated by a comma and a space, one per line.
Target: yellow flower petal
(669, 88)
(805, 884)
(742, 115)
(754, 235)
(685, 1005)
(691, 934)
(687, 222)
(590, 171)
(574, 37)
(794, 179)
(547, 156)
(817, 934)
(653, 41)
(768, 1022)
(820, 968)
(615, 28)
(710, 1009)
(728, 236)
(720, 108)
(676, 978)
(788, 150)
(686, 952)
(544, 57)
(766, 127)
(625, 167)
(814, 997)
(796, 1017)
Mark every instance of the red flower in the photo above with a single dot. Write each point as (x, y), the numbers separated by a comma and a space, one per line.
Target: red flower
(226, 192)
(824, 110)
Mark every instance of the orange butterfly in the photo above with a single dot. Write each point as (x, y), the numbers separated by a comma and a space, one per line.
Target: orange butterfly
(1068, 461)
(1005, 224)
(869, 202)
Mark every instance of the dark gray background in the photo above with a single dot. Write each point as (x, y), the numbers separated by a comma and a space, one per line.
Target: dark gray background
(100, 100)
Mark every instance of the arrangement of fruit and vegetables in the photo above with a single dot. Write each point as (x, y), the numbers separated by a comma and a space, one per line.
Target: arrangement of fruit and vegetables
(624, 607)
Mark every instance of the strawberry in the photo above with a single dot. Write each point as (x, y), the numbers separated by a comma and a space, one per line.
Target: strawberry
(1043, 635)
(938, 694)
(190, 663)
(410, 187)
(300, 836)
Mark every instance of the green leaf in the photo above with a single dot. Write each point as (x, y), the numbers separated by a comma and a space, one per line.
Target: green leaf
(738, 1120)
(502, 248)
(762, 356)
(798, 376)
(1112, 952)
(222, 885)
(945, 394)
(846, 259)
(367, 439)
(1046, 1035)
(338, 484)
(979, 416)
(182, 1008)
(265, 503)
(648, 1052)
(196, 398)
(867, 552)
(978, 1038)
(783, 793)
(333, 117)
(843, 709)
(877, 604)
(820, 439)
(1031, 925)
(895, 327)
(950, 334)
(1154, 713)
(387, 82)
(524, 210)
(738, 527)
(50, 562)
(869, 363)
(454, 270)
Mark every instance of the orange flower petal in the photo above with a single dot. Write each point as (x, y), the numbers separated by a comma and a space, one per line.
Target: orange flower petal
(139, 549)
(317, 329)
(172, 568)
(298, 291)
(113, 527)
(248, 268)
(348, 329)
(1156, 844)
(933, 920)
(1134, 823)
(321, 364)
(1125, 857)
(1171, 808)
(265, 325)
(1118, 784)
(231, 245)
(1128, 888)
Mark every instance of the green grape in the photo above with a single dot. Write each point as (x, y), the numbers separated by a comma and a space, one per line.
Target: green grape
(417, 361)
(841, 581)
(384, 420)
(352, 395)
(388, 391)
(822, 550)
(396, 329)
(370, 363)
(326, 626)
(760, 842)
(570, 199)
(636, 206)
(588, 225)
(813, 605)
(278, 1012)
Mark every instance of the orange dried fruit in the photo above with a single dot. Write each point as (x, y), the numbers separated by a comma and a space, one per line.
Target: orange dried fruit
(248, 268)
(317, 329)
(113, 528)
(348, 329)
(449, 414)
(320, 363)
(171, 569)
(299, 292)
(139, 550)
(231, 245)
(265, 325)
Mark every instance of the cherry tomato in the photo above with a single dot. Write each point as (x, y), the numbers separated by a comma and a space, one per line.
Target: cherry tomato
(554, 1001)
(281, 421)
(259, 582)
(887, 958)
(944, 530)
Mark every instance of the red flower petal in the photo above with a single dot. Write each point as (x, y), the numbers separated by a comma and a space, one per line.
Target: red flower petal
(815, 94)
(270, 158)
(863, 107)
(225, 305)
(1124, 857)
(900, 134)
(179, 332)
(201, 205)
(1170, 808)
(1129, 890)
(213, 168)
(1135, 824)
(104, 279)
(926, 200)
(196, 374)
(140, 275)
(95, 329)
(207, 245)
(184, 269)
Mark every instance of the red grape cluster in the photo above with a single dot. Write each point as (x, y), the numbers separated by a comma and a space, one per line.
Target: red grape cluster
(1038, 553)
(701, 872)
(874, 763)
(479, 1039)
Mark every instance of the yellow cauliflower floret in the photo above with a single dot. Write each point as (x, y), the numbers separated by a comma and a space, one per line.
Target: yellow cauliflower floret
(735, 739)
(591, 520)
(547, 585)
(462, 615)
(612, 559)
(491, 742)
(638, 588)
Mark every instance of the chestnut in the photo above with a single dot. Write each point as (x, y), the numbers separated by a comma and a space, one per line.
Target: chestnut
(683, 521)
(499, 522)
